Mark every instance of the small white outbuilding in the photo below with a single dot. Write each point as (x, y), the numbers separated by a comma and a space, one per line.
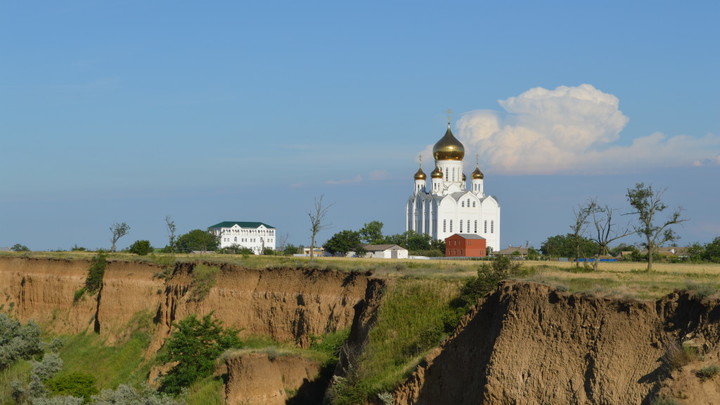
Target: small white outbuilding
(386, 251)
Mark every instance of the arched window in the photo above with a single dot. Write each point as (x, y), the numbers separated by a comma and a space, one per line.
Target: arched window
(475, 231)
(492, 226)
(485, 231)
(451, 225)
(462, 204)
(444, 225)
(473, 204)
(461, 226)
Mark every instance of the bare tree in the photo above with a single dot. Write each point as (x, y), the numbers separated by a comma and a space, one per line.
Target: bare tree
(606, 231)
(648, 204)
(118, 231)
(578, 228)
(282, 242)
(171, 232)
(317, 219)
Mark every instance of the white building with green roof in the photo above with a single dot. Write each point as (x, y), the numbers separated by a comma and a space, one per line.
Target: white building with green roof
(256, 236)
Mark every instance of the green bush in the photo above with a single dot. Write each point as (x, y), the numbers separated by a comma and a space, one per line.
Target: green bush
(96, 272)
(140, 247)
(194, 345)
(73, 384)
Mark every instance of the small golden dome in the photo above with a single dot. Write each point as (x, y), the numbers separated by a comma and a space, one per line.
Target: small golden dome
(436, 174)
(477, 174)
(420, 175)
(448, 147)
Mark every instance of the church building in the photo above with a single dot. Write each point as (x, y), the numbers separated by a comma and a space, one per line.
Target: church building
(449, 206)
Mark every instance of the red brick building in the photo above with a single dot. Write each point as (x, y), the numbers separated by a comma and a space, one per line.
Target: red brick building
(465, 245)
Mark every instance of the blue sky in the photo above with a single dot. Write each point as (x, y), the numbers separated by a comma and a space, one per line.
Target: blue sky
(212, 111)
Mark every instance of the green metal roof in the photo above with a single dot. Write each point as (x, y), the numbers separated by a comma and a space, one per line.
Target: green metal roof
(242, 224)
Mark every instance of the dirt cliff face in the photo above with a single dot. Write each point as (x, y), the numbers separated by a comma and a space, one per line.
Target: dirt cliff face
(285, 304)
(262, 379)
(530, 344)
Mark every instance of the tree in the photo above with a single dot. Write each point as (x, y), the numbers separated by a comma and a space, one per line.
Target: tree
(317, 221)
(140, 247)
(566, 246)
(195, 345)
(19, 248)
(170, 224)
(343, 242)
(647, 204)
(291, 249)
(196, 240)
(696, 252)
(581, 220)
(118, 231)
(371, 233)
(712, 251)
(605, 231)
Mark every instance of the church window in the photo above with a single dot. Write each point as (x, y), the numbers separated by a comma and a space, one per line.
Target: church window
(462, 204)
(236, 239)
(461, 226)
(475, 226)
(444, 225)
(492, 226)
(485, 231)
(473, 204)
(451, 225)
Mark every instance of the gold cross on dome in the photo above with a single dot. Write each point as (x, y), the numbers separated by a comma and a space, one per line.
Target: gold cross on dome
(449, 113)
(420, 160)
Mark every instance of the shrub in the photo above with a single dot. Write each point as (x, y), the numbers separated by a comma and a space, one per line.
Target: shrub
(73, 384)
(203, 281)
(195, 345)
(17, 341)
(140, 247)
(708, 372)
(96, 272)
(678, 355)
(126, 394)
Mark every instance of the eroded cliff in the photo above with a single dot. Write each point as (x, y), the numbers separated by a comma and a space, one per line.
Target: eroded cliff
(288, 305)
(527, 343)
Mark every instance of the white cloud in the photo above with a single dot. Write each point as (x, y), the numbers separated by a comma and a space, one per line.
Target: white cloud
(571, 130)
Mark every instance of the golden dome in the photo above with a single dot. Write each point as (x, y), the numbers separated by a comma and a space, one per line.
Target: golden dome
(420, 175)
(436, 174)
(477, 174)
(448, 147)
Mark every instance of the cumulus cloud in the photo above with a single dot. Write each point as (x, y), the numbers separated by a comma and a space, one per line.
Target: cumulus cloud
(571, 130)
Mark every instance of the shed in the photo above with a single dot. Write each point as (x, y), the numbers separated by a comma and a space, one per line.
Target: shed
(386, 251)
(465, 245)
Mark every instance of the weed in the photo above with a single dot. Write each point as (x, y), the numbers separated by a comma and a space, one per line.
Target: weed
(678, 355)
(701, 289)
(203, 280)
(664, 401)
(79, 294)
(708, 372)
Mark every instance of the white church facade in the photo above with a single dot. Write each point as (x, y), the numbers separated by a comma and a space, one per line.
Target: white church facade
(255, 236)
(449, 206)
